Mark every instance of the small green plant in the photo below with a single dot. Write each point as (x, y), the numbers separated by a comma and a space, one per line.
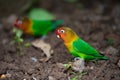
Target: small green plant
(75, 78)
(18, 39)
(79, 76)
(67, 66)
(27, 44)
(18, 34)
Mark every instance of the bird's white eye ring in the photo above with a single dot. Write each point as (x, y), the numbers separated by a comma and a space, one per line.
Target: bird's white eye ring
(62, 31)
(19, 22)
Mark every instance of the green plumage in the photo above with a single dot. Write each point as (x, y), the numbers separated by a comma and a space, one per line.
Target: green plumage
(77, 46)
(43, 27)
(38, 23)
(83, 50)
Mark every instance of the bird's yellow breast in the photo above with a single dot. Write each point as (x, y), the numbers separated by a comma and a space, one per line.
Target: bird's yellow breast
(69, 46)
(29, 29)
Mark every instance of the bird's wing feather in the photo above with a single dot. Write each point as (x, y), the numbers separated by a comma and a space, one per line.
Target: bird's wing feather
(42, 27)
(83, 47)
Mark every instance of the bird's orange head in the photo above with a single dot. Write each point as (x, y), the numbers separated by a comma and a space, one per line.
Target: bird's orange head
(21, 23)
(18, 23)
(66, 34)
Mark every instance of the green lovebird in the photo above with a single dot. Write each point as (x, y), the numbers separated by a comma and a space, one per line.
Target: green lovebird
(36, 27)
(77, 46)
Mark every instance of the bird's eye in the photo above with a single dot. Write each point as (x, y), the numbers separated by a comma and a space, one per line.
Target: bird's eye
(19, 22)
(62, 31)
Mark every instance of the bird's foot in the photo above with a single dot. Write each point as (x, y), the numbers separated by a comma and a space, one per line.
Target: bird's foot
(82, 74)
(78, 76)
(94, 61)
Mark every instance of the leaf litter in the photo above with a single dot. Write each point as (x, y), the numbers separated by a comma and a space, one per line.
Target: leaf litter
(45, 47)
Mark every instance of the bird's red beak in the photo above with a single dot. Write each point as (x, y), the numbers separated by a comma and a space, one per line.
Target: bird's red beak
(58, 33)
(16, 23)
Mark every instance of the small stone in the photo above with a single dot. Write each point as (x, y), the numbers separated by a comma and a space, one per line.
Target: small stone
(78, 65)
(89, 68)
(34, 78)
(3, 76)
(34, 59)
(51, 78)
(118, 63)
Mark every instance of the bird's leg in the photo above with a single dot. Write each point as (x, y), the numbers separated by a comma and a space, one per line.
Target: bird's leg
(78, 76)
(43, 37)
(32, 38)
(94, 61)
(81, 75)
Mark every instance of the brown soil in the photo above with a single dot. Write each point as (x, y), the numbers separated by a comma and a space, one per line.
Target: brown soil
(90, 24)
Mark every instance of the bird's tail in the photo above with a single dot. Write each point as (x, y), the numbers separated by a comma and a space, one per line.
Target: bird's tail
(103, 58)
(57, 23)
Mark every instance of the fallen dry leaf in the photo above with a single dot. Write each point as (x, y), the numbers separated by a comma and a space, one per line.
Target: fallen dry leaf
(46, 47)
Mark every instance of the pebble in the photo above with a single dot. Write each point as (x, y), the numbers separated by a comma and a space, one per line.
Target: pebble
(118, 63)
(51, 78)
(3, 76)
(78, 65)
(34, 59)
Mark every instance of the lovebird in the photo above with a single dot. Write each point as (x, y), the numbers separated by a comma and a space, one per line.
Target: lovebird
(36, 28)
(78, 47)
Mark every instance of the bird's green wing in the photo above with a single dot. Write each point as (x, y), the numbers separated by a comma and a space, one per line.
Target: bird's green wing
(83, 47)
(42, 27)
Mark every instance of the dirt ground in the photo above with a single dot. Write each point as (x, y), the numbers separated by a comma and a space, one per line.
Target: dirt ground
(101, 31)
